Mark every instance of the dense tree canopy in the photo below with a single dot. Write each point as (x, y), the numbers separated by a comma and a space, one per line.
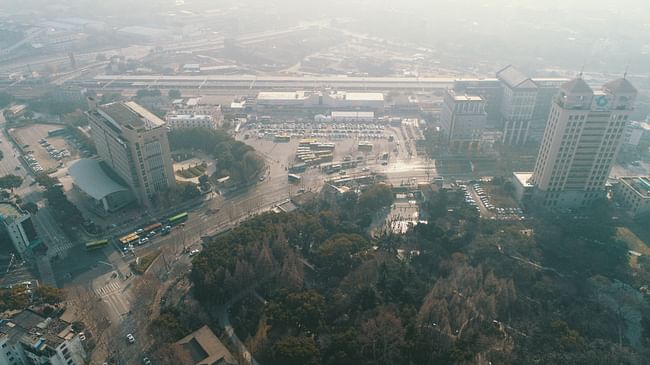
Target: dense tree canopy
(234, 158)
(5, 99)
(10, 182)
(469, 291)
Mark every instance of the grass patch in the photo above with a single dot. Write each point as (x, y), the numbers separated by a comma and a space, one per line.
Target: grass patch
(143, 263)
(634, 243)
(632, 240)
(192, 172)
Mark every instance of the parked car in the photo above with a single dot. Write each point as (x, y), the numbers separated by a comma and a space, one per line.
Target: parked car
(130, 338)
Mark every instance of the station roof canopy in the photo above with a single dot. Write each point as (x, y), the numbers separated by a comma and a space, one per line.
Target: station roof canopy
(89, 176)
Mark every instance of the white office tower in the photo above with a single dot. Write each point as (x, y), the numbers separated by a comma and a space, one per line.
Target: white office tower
(581, 139)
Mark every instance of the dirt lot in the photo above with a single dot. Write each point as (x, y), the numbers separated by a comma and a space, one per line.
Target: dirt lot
(31, 134)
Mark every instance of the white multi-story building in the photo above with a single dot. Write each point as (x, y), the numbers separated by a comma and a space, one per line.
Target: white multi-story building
(581, 140)
(179, 121)
(517, 104)
(340, 100)
(192, 113)
(463, 120)
(20, 228)
(133, 142)
(28, 338)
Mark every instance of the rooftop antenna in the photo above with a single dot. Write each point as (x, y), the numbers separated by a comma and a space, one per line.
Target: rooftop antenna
(627, 67)
(582, 70)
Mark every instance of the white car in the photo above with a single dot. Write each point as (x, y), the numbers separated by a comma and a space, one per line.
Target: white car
(130, 338)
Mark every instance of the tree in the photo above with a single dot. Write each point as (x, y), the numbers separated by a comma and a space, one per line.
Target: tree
(30, 207)
(174, 94)
(5, 99)
(337, 255)
(375, 198)
(293, 350)
(10, 182)
(382, 337)
(301, 310)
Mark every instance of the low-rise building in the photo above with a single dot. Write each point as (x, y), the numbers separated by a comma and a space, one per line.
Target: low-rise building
(180, 121)
(202, 347)
(29, 338)
(523, 189)
(633, 193)
(299, 100)
(104, 193)
(194, 113)
(356, 117)
(20, 228)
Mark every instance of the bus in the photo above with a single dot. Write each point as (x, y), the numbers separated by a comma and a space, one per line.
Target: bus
(307, 142)
(125, 240)
(96, 244)
(152, 227)
(294, 179)
(282, 138)
(299, 167)
(56, 132)
(178, 218)
(365, 146)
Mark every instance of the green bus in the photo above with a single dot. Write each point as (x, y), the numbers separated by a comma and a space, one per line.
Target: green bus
(178, 218)
(96, 244)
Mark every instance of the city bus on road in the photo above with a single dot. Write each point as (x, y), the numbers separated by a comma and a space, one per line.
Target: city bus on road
(96, 244)
(125, 240)
(152, 227)
(178, 218)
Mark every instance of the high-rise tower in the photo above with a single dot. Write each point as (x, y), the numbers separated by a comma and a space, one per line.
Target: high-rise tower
(581, 139)
(133, 142)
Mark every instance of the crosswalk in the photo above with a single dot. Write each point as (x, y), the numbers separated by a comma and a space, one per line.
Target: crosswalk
(117, 301)
(108, 289)
(118, 304)
(59, 249)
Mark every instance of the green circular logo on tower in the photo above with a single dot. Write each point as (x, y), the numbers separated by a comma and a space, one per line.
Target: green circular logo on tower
(601, 101)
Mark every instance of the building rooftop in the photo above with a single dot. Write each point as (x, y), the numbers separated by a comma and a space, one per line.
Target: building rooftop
(8, 210)
(640, 184)
(621, 85)
(359, 96)
(523, 178)
(344, 114)
(39, 333)
(204, 348)
(515, 79)
(577, 85)
(130, 115)
(89, 176)
(277, 95)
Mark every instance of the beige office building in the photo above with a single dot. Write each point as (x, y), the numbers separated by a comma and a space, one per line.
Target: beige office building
(463, 119)
(133, 142)
(580, 143)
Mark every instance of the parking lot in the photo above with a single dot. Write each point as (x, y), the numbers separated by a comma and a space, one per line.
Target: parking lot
(477, 195)
(47, 153)
(326, 131)
(284, 152)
